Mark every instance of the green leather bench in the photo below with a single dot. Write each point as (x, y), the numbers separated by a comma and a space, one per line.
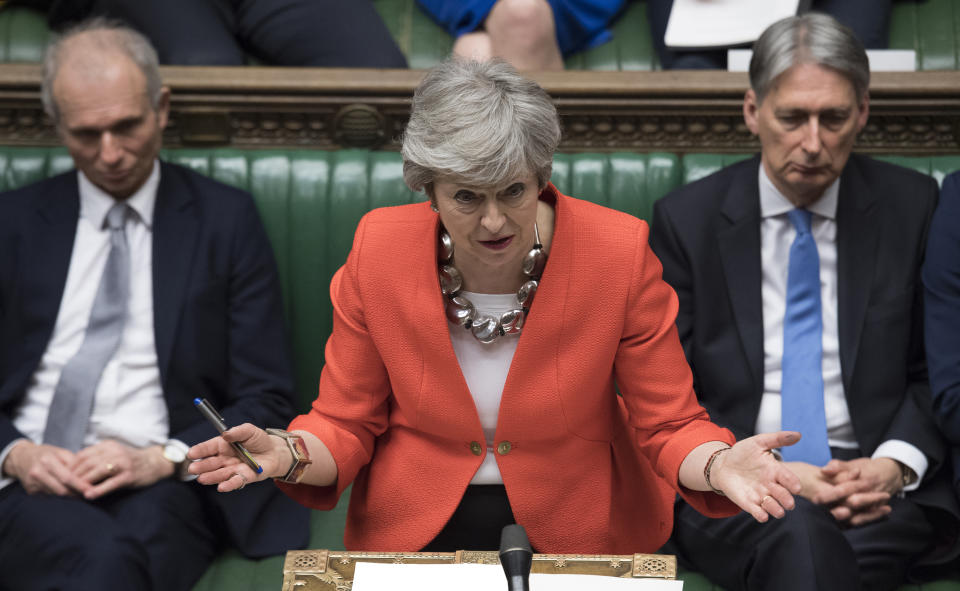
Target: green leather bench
(311, 201)
(931, 27)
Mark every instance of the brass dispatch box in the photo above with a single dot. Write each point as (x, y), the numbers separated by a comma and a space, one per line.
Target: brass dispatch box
(332, 570)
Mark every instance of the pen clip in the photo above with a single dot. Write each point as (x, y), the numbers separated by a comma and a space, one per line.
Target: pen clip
(202, 403)
(214, 411)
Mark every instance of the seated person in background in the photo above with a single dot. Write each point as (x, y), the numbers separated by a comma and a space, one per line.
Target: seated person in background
(530, 34)
(470, 381)
(798, 273)
(941, 281)
(869, 20)
(127, 288)
(328, 33)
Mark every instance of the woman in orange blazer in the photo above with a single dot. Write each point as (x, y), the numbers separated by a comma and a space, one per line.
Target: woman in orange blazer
(470, 383)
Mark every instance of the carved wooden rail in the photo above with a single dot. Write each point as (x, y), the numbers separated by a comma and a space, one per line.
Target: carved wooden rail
(332, 570)
(253, 107)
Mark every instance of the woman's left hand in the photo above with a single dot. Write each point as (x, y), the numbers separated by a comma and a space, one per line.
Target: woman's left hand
(751, 476)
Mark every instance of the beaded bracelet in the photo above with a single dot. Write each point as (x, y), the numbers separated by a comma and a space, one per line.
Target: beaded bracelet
(709, 466)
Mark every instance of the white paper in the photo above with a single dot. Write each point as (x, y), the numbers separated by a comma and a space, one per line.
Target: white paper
(375, 576)
(881, 60)
(722, 23)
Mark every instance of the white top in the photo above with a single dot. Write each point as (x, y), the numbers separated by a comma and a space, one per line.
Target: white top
(485, 369)
(128, 404)
(776, 237)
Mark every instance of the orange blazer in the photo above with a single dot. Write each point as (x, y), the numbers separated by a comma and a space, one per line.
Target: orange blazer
(586, 471)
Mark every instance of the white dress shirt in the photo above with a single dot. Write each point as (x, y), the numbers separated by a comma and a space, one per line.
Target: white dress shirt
(485, 369)
(128, 404)
(776, 237)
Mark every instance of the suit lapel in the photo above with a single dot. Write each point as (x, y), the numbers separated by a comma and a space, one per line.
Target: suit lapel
(857, 237)
(444, 388)
(738, 239)
(175, 227)
(535, 358)
(52, 235)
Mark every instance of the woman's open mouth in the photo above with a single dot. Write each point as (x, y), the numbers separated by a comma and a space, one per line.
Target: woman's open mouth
(498, 244)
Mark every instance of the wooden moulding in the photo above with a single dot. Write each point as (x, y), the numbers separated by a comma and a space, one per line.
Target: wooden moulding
(332, 570)
(911, 113)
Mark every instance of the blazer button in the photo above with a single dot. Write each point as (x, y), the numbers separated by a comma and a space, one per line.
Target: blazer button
(476, 448)
(504, 448)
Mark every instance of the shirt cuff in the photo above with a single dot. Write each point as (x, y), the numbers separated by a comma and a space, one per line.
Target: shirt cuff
(6, 481)
(184, 475)
(906, 454)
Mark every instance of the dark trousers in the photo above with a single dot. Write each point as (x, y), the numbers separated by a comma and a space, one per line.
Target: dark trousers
(331, 33)
(155, 538)
(806, 550)
(869, 19)
(477, 522)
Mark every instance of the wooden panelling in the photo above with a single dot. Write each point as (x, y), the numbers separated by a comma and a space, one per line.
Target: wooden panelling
(673, 111)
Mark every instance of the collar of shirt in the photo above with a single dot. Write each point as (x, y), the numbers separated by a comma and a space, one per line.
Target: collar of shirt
(95, 202)
(773, 202)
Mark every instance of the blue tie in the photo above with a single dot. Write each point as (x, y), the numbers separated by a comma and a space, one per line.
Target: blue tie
(801, 390)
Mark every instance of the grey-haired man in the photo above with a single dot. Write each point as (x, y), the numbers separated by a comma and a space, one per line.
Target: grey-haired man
(800, 308)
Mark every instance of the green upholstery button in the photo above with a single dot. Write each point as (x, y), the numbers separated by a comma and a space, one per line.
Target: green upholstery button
(504, 448)
(476, 448)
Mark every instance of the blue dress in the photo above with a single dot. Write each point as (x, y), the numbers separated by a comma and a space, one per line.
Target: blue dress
(581, 24)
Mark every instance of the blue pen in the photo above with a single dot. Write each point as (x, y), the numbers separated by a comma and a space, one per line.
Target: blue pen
(207, 410)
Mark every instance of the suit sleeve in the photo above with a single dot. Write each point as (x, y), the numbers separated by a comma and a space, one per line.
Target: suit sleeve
(914, 422)
(656, 383)
(259, 384)
(941, 281)
(677, 272)
(352, 407)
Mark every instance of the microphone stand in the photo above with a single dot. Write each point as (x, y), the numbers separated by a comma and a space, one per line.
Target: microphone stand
(516, 557)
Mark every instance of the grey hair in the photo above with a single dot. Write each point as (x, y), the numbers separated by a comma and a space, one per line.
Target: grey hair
(113, 36)
(810, 38)
(480, 123)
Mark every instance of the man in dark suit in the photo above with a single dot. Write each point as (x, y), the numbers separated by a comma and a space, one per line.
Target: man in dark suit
(941, 282)
(800, 308)
(128, 288)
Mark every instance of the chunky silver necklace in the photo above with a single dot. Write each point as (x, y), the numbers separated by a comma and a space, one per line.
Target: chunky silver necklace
(461, 311)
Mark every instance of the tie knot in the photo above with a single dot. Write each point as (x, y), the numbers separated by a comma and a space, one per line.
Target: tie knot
(801, 220)
(117, 216)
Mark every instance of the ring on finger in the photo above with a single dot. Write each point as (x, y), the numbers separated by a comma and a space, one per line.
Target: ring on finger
(764, 499)
(242, 478)
(109, 468)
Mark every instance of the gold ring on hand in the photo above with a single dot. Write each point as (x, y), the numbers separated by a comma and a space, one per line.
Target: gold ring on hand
(764, 499)
(109, 468)
(242, 478)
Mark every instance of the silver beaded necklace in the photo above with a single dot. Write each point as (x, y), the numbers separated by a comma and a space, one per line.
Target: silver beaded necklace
(487, 328)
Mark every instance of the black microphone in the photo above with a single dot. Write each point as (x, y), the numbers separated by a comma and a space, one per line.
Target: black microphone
(516, 557)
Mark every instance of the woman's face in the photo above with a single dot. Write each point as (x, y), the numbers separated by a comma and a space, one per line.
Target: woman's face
(491, 228)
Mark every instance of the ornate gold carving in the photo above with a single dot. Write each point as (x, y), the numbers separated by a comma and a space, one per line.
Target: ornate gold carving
(307, 561)
(476, 557)
(655, 566)
(340, 565)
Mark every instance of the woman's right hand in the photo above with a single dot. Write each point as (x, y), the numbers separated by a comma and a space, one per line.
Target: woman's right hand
(216, 462)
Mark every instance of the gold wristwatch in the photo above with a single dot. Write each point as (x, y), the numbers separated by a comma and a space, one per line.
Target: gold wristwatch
(298, 449)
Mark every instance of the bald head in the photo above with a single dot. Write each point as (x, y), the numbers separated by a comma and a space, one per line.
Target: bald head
(93, 50)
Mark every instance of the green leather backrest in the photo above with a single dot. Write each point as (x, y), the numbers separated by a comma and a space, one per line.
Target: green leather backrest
(931, 27)
(311, 201)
